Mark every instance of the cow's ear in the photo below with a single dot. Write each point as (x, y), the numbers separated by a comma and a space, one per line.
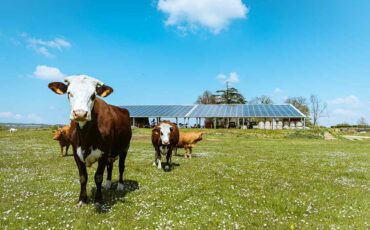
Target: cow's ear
(171, 129)
(103, 90)
(58, 87)
(156, 130)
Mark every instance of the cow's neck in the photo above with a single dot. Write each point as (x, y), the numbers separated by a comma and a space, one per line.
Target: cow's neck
(89, 134)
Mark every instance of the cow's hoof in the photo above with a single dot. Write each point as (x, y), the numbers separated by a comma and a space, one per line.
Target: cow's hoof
(108, 184)
(154, 164)
(120, 187)
(159, 166)
(80, 204)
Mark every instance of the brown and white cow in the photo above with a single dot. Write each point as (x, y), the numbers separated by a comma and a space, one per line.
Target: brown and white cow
(187, 141)
(99, 131)
(165, 137)
(62, 135)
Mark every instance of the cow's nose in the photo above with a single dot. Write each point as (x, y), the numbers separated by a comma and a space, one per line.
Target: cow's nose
(79, 114)
(166, 142)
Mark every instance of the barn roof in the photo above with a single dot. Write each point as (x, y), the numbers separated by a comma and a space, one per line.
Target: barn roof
(211, 111)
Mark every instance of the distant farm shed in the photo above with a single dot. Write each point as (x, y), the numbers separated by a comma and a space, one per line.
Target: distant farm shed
(224, 115)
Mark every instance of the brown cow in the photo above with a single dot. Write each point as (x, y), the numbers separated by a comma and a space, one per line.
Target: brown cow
(62, 135)
(99, 131)
(165, 137)
(188, 141)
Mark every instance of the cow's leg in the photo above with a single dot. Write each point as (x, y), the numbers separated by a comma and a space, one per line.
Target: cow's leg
(99, 179)
(158, 158)
(121, 165)
(67, 147)
(83, 179)
(108, 183)
(186, 152)
(155, 158)
(61, 150)
(190, 151)
(175, 150)
(168, 158)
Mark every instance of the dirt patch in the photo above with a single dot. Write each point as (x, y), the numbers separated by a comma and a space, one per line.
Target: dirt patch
(356, 138)
(141, 137)
(329, 137)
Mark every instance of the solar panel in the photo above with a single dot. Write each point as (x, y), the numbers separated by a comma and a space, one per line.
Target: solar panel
(158, 110)
(214, 111)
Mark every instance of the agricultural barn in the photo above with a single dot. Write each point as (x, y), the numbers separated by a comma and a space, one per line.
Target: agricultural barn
(220, 116)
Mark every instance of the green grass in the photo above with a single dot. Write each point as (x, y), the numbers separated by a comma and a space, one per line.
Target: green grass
(237, 179)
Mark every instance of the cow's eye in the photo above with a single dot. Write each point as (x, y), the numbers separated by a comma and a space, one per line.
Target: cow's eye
(93, 96)
(161, 133)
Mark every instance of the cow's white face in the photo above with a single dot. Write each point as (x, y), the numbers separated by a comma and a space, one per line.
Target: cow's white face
(81, 91)
(165, 133)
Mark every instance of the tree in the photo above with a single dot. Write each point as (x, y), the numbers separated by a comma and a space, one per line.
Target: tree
(264, 100)
(229, 96)
(362, 122)
(300, 103)
(318, 108)
(206, 98)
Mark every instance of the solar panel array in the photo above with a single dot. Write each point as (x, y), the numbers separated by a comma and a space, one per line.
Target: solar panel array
(159, 110)
(210, 111)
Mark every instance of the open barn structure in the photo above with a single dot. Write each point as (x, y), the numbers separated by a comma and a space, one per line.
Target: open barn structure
(244, 116)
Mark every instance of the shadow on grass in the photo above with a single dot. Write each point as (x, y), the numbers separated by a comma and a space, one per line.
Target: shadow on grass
(112, 196)
(169, 168)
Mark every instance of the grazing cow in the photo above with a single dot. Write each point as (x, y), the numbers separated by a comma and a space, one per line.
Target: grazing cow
(62, 135)
(13, 130)
(99, 131)
(188, 141)
(165, 137)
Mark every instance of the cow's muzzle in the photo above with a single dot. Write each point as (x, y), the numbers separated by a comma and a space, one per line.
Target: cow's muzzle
(79, 115)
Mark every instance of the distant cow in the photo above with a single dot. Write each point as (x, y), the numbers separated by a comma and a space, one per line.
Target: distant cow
(99, 131)
(63, 136)
(165, 137)
(13, 130)
(188, 141)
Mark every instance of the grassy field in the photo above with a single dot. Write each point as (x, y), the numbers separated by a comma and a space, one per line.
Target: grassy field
(238, 179)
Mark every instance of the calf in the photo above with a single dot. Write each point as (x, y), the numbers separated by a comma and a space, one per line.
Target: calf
(99, 131)
(62, 135)
(188, 141)
(165, 137)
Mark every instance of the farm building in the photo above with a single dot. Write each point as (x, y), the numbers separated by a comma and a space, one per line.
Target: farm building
(220, 116)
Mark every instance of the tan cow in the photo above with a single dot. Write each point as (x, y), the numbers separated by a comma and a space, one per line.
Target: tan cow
(62, 135)
(188, 141)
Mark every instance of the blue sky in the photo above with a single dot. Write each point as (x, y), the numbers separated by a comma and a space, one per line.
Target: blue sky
(170, 51)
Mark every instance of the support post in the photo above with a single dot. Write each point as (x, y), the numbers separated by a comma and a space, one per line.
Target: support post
(304, 123)
(133, 121)
(214, 123)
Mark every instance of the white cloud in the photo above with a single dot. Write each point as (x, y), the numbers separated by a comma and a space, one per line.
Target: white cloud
(349, 100)
(48, 73)
(346, 113)
(6, 114)
(232, 78)
(34, 118)
(16, 117)
(44, 47)
(214, 15)
(347, 109)
(278, 90)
